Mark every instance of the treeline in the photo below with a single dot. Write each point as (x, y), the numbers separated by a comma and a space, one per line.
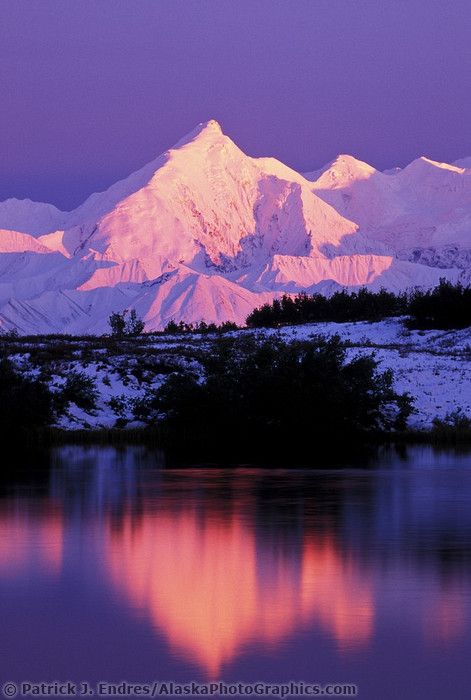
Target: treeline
(127, 324)
(340, 307)
(202, 327)
(445, 307)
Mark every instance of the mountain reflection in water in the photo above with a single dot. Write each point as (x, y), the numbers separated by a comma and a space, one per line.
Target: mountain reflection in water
(219, 562)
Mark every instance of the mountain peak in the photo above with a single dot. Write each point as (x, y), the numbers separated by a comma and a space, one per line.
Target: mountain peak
(28, 216)
(210, 127)
(424, 164)
(234, 232)
(344, 160)
(342, 170)
(204, 131)
(211, 124)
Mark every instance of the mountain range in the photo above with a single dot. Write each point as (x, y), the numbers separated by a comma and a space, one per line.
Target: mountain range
(205, 232)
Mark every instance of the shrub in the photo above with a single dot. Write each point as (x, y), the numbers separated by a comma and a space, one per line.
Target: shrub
(258, 389)
(174, 328)
(25, 403)
(117, 324)
(79, 389)
(119, 405)
(126, 323)
(454, 427)
(11, 334)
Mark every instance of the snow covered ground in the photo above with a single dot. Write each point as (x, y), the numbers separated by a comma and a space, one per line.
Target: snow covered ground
(433, 366)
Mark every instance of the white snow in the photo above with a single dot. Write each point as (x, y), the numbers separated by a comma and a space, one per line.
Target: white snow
(433, 366)
(205, 232)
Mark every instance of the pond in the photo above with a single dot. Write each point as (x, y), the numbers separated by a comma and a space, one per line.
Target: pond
(115, 566)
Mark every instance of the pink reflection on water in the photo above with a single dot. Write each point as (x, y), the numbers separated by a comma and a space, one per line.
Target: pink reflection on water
(31, 539)
(446, 620)
(213, 583)
(200, 582)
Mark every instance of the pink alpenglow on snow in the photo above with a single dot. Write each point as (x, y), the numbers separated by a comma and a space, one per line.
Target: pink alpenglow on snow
(206, 232)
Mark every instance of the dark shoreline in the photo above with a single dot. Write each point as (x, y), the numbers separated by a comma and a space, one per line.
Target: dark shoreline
(181, 453)
(156, 436)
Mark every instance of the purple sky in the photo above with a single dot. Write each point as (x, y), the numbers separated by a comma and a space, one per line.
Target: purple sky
(90, 90)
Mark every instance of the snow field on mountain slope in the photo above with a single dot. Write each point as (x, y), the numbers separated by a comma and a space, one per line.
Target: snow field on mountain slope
(206, 232)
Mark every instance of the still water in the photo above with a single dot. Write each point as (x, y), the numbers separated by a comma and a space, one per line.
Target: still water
(114, 566)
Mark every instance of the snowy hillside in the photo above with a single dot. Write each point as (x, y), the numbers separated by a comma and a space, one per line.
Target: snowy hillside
(205, 232)
(433, 366)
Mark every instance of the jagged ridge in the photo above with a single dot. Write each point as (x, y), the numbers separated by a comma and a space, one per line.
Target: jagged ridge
(205, 232)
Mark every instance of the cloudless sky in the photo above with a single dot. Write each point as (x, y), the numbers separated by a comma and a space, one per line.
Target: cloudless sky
(90, 90)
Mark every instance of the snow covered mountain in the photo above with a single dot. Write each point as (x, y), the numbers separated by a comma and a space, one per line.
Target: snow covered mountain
(205, 232)
(421, 213)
